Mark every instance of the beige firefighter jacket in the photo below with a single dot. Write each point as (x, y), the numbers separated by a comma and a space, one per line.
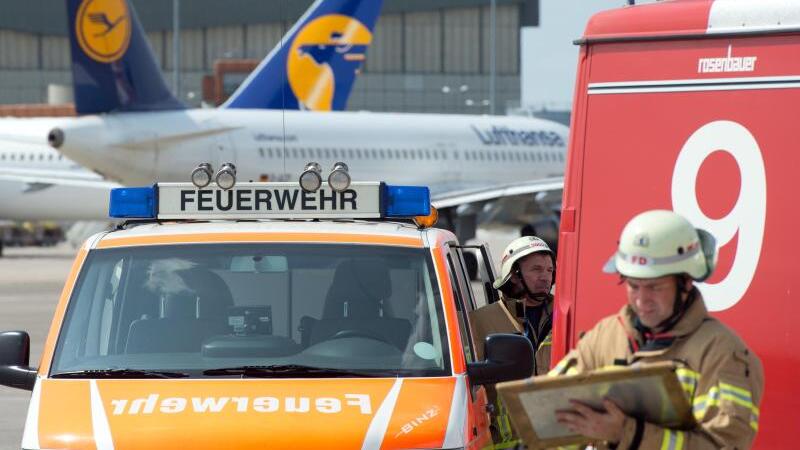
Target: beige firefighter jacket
(721, 377)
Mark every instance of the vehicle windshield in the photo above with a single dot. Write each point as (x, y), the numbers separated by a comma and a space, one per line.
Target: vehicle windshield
(192, 310)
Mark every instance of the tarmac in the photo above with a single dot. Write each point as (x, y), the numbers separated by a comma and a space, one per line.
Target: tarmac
(31, 280)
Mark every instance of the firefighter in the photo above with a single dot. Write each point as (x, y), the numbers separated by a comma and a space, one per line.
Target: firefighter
(526, 281)
(660, 257)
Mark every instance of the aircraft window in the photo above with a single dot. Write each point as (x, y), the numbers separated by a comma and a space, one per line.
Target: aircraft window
(2, 156)
(517, 155)
(41, 156)
(13, 157)
(328, 153)
(302, 152)
(455, 154)
(50, 157)
(561, 157)
(539, 156)
(427, 154)
(382, 154)
(269, 152)
(60, 157)
(261, 151)
(358, 153)
(547, 156)
(435, 154)
(525, 156)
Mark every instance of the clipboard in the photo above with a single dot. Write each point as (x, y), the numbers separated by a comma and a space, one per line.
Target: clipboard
(649, 391)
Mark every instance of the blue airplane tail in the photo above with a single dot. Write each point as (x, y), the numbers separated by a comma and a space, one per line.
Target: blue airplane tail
(316, 63)
(113, 67)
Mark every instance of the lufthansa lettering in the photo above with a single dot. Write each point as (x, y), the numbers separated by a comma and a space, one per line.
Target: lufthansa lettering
(260, 199)
(506, 136)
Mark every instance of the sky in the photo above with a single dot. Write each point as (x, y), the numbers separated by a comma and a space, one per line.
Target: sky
(549, 58)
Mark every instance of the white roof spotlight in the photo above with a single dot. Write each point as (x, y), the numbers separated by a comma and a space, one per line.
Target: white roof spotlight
(226, 176)
(311, 178)
(202, 175)
(339, 178)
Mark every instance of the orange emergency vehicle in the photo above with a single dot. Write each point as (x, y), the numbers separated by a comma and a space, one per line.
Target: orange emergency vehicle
(264, 315)
(690, 105)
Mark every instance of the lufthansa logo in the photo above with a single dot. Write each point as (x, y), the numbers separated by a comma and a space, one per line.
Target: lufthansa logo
(327, 47)
(103, 29)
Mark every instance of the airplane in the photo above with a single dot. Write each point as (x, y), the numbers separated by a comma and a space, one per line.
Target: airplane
(35, 179)
(135, 132)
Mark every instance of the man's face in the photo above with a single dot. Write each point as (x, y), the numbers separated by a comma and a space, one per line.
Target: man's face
(537, 270)
(652, 299)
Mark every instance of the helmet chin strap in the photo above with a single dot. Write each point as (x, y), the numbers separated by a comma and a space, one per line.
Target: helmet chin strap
(679, 306)
(535, 296)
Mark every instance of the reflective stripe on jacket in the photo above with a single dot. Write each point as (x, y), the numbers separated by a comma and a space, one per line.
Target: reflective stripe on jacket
(721, 377)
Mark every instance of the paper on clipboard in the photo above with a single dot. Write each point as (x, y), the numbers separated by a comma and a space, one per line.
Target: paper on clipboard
(648, 391)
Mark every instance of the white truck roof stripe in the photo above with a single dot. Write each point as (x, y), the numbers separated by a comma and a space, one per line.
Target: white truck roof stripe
(736, 16)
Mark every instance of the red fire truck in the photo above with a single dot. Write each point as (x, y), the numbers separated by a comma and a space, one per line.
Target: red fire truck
(690, 105)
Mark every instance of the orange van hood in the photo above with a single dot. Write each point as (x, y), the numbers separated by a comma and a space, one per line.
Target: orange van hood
(245, 414)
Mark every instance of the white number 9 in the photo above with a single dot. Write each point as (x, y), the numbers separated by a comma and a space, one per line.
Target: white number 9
(745, 221)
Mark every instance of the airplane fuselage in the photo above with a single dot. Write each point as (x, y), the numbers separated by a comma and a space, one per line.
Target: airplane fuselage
(446, 152)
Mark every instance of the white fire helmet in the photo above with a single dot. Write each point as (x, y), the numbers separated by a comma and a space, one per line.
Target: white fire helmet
(658, 243)
(518, 248)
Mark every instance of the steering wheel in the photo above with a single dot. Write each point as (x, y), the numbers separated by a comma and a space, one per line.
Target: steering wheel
(352, 332)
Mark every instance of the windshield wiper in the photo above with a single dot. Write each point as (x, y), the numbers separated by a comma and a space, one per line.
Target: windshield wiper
(120, 373)
(289, 370)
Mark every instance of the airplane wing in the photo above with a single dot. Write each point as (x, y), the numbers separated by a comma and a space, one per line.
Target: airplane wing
(41, 179)
(455, 198)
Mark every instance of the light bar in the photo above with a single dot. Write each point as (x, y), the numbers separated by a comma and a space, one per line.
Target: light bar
(407, 201)
(132, 203)
(254, 201)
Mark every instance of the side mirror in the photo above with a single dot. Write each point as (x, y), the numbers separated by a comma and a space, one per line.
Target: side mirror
(508, 357)
(15, 351)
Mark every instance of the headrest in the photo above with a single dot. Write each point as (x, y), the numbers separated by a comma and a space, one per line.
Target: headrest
(213, 295)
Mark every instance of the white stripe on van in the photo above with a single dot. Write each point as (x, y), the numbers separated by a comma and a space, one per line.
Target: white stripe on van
(380, 422)
(30, 437)
(457, 423)
(102, 431)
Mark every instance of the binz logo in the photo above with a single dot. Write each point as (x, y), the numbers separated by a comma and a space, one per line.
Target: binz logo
(729, 63)
(418, 421)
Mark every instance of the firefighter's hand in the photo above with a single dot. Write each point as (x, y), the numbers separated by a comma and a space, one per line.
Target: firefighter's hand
(584, 420)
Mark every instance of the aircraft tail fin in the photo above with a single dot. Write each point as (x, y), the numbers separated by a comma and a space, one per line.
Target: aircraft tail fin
(113, 66)
(317, 61)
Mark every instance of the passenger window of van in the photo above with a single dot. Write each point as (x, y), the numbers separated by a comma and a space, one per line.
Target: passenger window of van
(459, 293)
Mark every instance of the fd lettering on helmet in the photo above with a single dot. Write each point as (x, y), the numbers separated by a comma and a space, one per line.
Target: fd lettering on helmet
(639, 260)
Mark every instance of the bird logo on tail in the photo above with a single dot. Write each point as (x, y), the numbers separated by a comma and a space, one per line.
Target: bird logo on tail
(103, 29)
(327, 48)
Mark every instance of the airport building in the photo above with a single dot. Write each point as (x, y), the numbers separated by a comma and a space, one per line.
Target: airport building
(426, 55)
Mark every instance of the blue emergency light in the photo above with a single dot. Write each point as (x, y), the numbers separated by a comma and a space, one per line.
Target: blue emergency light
(396, 202)
(133, 203)
(406, 201)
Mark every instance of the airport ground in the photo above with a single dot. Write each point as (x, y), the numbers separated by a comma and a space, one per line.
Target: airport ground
(31, 279)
